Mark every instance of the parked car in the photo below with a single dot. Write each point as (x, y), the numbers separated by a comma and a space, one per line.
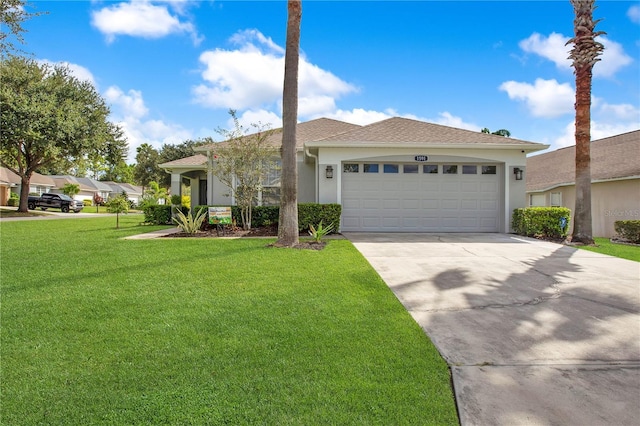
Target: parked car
(55, 201)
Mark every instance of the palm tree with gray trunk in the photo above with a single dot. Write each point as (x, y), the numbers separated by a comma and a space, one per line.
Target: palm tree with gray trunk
(288, 221)
(584, 55)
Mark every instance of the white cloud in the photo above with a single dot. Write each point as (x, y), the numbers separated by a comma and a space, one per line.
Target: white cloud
(252, 77)
(634, 14)
(359, 116)
(545, 98)
(140, 19)
(554, 49)
(613, 58)
(78, 71)
(259, 117)
(129, 111)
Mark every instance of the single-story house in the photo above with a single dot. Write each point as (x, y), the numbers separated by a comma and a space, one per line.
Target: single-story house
(88, 187)
(134, 192)
(11, 182)
(615, 180)
(396, 175)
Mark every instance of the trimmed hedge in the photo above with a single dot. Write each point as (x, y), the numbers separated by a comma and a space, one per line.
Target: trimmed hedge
(628, 229)
(159, 214)
(541, 221)
(308, 214)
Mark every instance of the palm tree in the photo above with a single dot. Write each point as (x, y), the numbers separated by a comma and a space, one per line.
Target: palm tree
(584, 54)
(288, 221)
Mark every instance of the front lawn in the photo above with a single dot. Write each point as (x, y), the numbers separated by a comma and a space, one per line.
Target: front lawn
(101, 330)
(605, 246)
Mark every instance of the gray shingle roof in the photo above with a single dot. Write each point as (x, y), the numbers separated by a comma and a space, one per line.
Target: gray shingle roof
(399, 131)
(614, 157)
(305, 132)
(8, 177)
(194, 160)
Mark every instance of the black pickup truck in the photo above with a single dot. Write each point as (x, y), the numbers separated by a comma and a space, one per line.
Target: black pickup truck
(55, 201)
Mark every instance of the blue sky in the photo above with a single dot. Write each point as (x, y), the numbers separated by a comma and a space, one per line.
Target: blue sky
(170, 70)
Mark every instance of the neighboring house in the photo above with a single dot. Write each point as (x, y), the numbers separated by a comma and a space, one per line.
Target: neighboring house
(615, 180)
(397, 175)
(11, 182)
(88, 187)
(134, 193)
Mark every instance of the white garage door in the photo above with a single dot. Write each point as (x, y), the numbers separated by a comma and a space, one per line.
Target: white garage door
(396, 197)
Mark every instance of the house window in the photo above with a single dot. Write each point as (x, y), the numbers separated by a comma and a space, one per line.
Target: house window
(469, 170)
(370, 168)
(270, 194)
(391, 168)
(351, 168)
(410, 168)
(430, 169)
(536, 200)
(488, 170)
(450, 169)
(556, 199)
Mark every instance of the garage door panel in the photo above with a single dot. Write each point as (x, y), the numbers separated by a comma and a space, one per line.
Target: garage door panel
(420, 202)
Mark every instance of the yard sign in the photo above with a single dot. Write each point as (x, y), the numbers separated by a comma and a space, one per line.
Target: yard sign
(220, 215)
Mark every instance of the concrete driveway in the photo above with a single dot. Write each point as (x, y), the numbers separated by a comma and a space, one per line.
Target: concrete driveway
(535, 333)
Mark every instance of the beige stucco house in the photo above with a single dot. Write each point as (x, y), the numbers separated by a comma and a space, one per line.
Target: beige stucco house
(396, 175)
(11, 182)
(615, 177)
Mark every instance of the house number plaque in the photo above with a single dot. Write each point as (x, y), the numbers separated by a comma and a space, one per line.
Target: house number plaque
(421, 158)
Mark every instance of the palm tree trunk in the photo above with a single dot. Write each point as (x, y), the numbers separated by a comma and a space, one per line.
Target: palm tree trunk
(582, 225)
(584, 54)
(288, 221)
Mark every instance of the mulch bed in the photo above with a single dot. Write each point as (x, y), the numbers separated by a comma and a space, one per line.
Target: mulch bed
(265, 231)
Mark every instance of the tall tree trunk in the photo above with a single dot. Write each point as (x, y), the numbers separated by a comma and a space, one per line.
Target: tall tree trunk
(288, 222)
(584, 54)
(582, 222)
(25, 182)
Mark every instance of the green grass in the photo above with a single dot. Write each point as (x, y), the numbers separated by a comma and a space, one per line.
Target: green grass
(605, 246)
(101, 330)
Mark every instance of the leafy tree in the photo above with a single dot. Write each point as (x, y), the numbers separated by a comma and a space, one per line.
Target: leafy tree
(48, 115)
(71, 189)
(501, 132)
(13, 14)
(120, 172)
(146, 169)
(242, 163)
(288, 221)
(118, 205)
(156, 192)
(170, 152)
(584, 54)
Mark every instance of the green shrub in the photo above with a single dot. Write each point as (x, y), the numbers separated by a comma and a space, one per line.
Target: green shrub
(87, 202)
(312, 213)
(308, 214)
(628, 229)
(159, 214)
(544, 222)
(176, 199)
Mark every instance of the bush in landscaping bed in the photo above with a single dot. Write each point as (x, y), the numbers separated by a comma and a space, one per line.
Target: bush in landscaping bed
(313, 214)
(543, 222)
(308, 214)
(628, 229)
(87, 202)
(159, 214)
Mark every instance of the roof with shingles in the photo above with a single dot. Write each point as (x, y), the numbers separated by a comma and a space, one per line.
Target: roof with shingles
(398, 130)
(305, 132)
(615, 157)
(194, 160)
(8, 177)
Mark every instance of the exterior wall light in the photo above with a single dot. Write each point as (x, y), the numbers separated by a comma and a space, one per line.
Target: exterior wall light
(518, 172)
(329, 172)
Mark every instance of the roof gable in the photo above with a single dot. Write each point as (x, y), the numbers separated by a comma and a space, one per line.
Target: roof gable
(398, 130)
(614, 157)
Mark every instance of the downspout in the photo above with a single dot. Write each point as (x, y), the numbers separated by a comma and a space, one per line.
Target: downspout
(317, 177)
